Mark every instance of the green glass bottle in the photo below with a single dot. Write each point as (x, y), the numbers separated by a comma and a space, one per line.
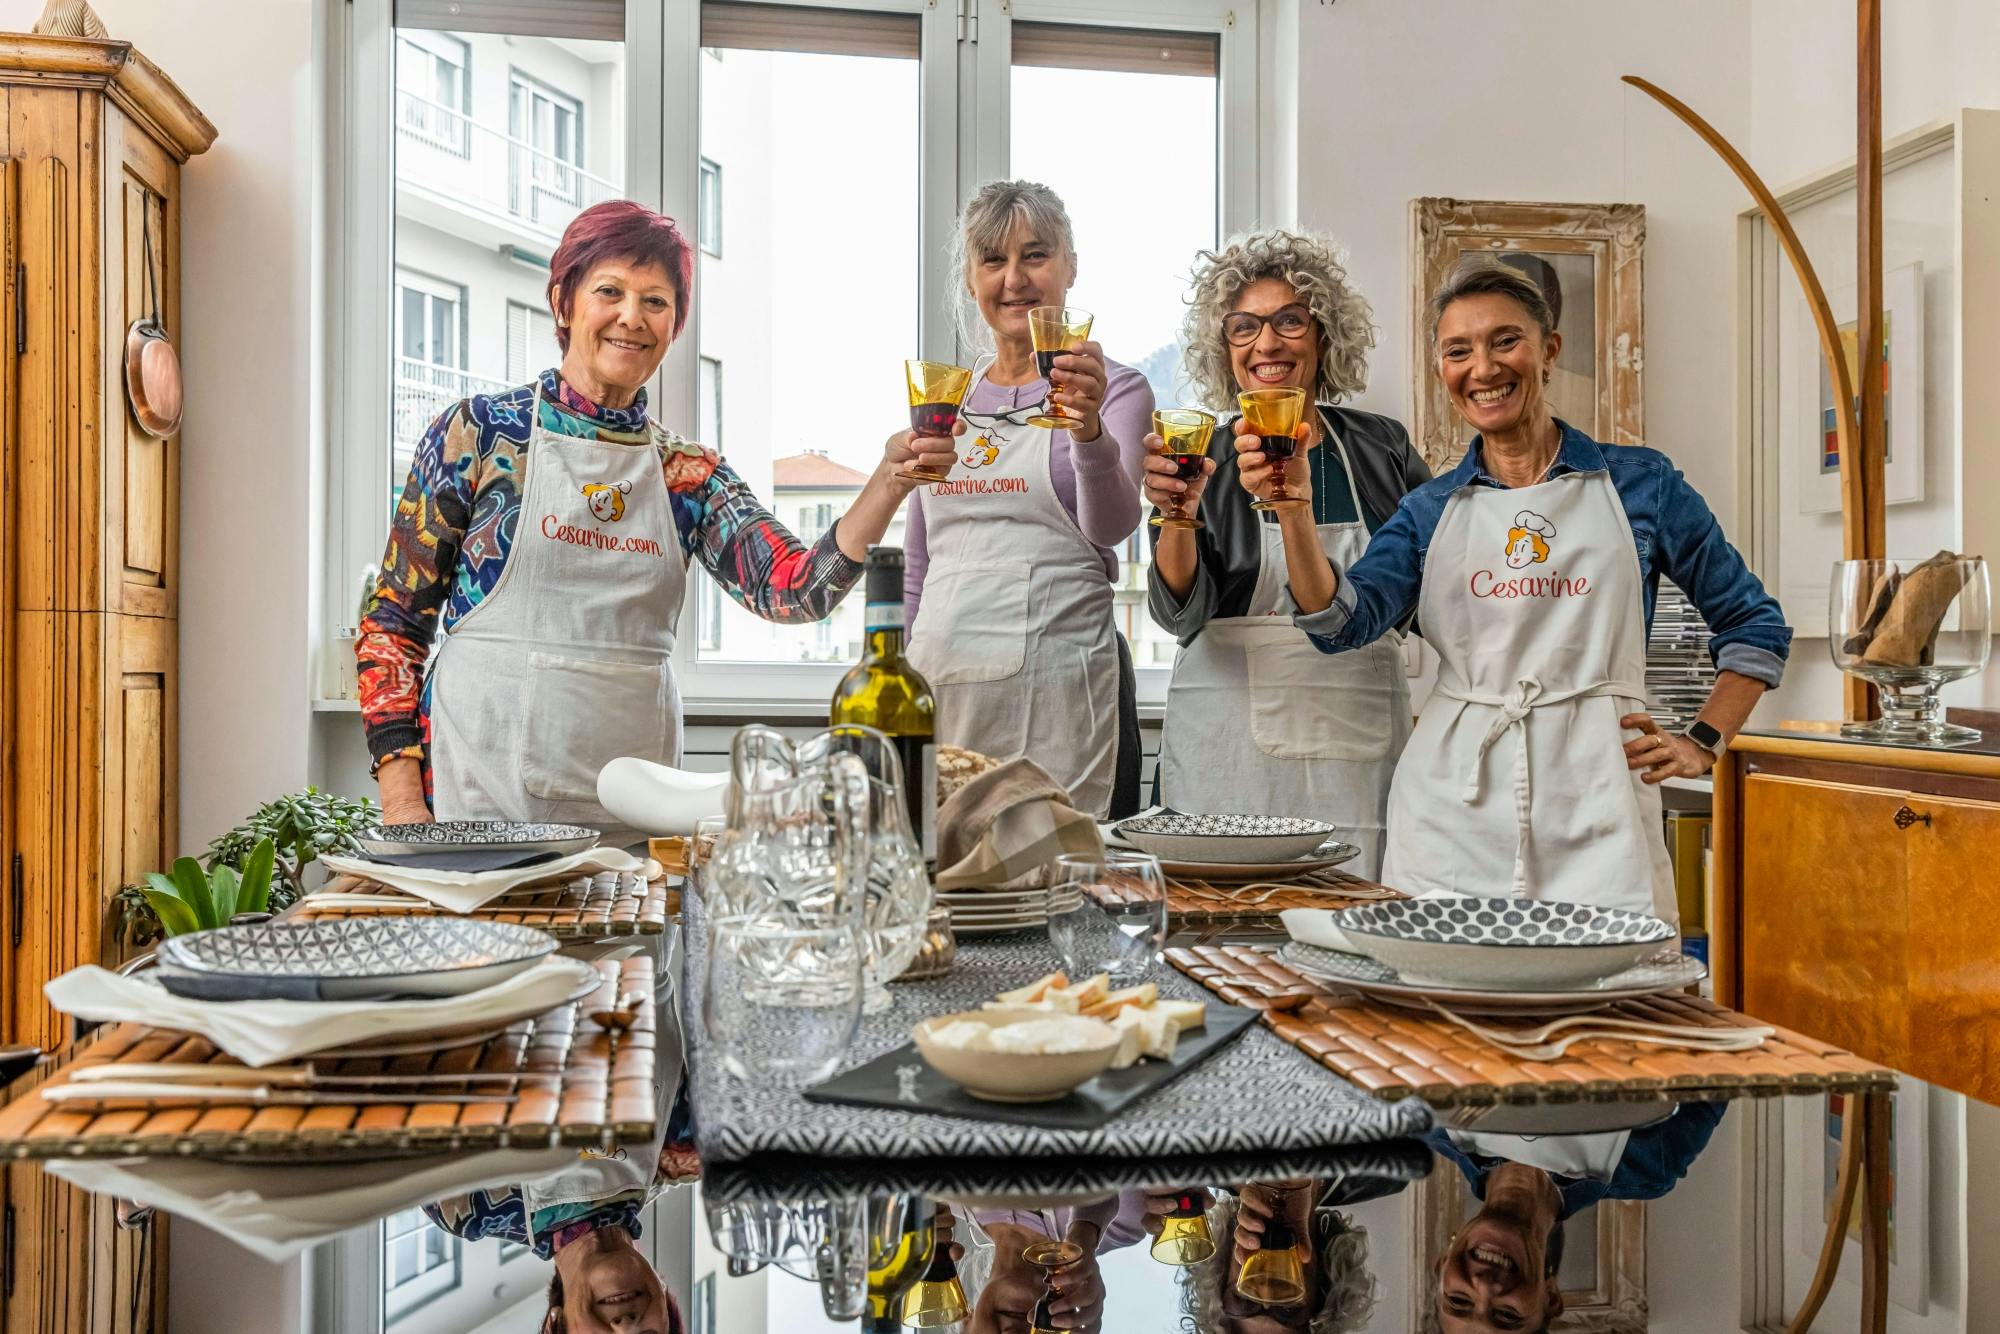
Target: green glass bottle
(900, 1264)
(885, 692)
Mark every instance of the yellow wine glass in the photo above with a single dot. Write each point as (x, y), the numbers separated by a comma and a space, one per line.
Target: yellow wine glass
(1185, 433)
(1275, 414)
(936, 391)
(1055, 330)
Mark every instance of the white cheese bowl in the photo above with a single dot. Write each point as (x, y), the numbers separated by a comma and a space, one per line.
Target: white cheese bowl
(1016, 1076)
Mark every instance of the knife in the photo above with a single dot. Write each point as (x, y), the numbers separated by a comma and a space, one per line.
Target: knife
(287, 1076)
(106, 1096)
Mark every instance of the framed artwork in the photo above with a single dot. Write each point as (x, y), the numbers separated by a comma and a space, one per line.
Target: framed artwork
(1901, 367)
(1603, 1273)
(1587, 258)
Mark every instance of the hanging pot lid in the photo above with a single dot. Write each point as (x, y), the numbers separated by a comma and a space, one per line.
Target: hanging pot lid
(152, 367)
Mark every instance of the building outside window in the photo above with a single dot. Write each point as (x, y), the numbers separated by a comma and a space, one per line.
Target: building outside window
(711, 207)
(547, 129)
(434, 89)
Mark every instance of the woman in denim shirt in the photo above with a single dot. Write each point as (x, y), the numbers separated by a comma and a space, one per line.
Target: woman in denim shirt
(1531, 568)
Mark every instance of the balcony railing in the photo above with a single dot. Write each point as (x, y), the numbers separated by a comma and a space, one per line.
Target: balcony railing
(502, 174)
(422, 392)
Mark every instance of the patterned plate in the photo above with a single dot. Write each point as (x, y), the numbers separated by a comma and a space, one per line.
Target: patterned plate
(1327, 855)
(355, 958)
(491, 835)
(1660, 972)
(1236, 839)
(1503, 942)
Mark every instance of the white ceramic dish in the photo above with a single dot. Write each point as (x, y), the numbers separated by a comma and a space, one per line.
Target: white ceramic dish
(1654, 976)
(1502, 942)
(1229, 840)
(1001, 1076)
(662, 802)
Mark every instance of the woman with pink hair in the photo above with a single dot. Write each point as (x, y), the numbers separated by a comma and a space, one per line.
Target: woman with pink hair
(548, 532)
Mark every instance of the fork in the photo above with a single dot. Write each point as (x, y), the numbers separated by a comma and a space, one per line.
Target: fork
(1531, 1044)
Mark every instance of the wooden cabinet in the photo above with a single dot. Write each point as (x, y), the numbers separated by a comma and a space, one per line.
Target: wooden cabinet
(92, 141)
(1857, 897)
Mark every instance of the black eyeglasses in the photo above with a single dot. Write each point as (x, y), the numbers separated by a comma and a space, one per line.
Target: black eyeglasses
(1020, 416)
(1241, 328)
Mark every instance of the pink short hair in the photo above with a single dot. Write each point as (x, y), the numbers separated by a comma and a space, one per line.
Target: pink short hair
(618, 229)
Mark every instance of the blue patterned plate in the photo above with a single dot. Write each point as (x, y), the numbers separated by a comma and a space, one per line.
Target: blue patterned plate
(1500, 941)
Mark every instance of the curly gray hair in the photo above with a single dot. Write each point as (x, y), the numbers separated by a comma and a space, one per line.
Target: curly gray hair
(989, 218)
(1343, 1255)
(1312, 265)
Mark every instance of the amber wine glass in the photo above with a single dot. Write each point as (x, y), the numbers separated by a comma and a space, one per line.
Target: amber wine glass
(1275, 414)
(936, 390)
(1055, 330)
(1048, 1256)
(1185, 433)
(1184, 1236)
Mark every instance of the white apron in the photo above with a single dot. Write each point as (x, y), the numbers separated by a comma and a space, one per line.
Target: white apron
(1015, 633)
(1259, 722)
(1515, 780)
(565, 665)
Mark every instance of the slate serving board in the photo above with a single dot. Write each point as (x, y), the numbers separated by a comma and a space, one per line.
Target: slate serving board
(899, 1079)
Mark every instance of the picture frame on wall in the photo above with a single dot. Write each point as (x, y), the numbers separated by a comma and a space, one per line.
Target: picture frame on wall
(1901, 367)
(1588, 257)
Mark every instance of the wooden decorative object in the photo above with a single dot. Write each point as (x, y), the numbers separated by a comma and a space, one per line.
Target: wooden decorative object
(1607, 240)
(92, 140)
(1615, 1303)
(69, 18)
(1200, 903)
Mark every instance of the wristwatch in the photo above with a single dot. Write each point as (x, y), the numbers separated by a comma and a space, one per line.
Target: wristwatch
(1707, 738)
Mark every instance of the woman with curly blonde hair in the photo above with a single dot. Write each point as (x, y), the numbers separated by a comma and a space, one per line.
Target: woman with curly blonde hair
(1255, 722)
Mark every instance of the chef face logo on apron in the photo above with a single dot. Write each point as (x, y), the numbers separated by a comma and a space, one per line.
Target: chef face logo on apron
(982, 453)
(1529, 543)
(607, 502)
(1528, 540)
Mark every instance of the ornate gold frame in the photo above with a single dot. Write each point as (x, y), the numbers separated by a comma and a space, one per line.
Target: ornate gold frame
(1441, 230)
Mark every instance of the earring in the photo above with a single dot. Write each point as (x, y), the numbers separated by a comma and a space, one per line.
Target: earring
(1545, 375)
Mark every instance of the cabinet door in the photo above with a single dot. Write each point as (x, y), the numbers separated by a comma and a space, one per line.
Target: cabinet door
(1954, 963)
(1826, 918)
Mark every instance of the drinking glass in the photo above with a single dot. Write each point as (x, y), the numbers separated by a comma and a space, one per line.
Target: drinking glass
(1108, 914)
(1048, 1256)
(1274, 1273)
(1908, 627)
(782, 1000)
(936, 390)
(1185, 433)
(1184, 1236)
(1055, 330)
(708, 831)
(1275, 414)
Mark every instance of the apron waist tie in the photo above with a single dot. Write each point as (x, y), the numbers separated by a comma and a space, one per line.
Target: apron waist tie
(1527, 695)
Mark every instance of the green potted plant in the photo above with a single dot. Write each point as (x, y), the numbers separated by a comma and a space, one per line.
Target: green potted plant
(194, 899)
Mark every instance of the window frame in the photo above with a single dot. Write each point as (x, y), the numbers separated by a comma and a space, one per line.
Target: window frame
(708, 222)
(966, 60)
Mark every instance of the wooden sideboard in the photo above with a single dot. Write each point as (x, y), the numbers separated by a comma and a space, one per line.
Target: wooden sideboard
(1856, 896)
(92, 140)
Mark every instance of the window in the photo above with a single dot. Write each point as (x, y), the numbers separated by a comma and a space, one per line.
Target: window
(531, 342)
(1132, 278)
(546, 166)
(434, 90)
(711, 207)
(430, 361)
(708, 403)
(419, 1264)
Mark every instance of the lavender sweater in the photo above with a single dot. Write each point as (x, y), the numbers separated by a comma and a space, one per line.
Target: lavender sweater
(1097, 483)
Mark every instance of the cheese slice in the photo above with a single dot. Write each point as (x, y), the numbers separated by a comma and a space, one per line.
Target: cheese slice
(1129, 1039)
(1141, 996)
(1090, 990)
(1190, 1015)
(1034, 991)
(1053, 1003)
(1157, 1030)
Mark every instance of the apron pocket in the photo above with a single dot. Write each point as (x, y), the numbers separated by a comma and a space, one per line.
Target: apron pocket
(973, 624)
(582, 713)
(1308, 705)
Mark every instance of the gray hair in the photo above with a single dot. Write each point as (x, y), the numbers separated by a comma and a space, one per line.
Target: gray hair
(1343, 1256)
(1312, 265)
(1478, 275)
(989, 218)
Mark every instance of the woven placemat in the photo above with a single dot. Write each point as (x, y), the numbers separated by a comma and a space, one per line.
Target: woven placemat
(1253, 1096)
(588, 1090)
(1396, 1053)
(590, 907)
(1192, 902)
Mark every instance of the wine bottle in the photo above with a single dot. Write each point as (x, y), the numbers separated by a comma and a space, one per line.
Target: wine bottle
(899, 1267)
(885, 692)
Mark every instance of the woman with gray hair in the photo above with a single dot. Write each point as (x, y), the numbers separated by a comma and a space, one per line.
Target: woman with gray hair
(1339, 1289)
(1532, 566)
(1255, 723)
(1009, 564)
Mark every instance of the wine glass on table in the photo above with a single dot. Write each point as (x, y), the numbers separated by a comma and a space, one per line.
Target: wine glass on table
(1055, 330)
(936, 391)
(1184, 1235)
(1184, 433)
(1275, 414)
(1108, 914)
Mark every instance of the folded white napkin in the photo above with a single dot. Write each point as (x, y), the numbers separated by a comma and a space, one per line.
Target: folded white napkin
(1315, 926)
(265, 1032)
(462, 891)
(278, 1211)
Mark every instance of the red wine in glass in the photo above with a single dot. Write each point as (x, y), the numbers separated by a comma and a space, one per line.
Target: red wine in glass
(1045, 360)
(936, 419)
(1187, 467)
(1280, 447)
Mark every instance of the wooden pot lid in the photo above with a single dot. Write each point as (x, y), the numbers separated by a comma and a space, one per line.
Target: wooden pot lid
(153, 379)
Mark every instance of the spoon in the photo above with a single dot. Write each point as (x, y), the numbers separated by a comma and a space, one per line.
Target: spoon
(620, 1016)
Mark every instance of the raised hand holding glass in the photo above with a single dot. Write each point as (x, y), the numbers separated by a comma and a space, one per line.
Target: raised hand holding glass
(1185, 434)
(1275, 414)
(1055, 330)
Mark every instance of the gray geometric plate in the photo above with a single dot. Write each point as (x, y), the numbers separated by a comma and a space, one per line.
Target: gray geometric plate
(1660, 972)
(1223, 838)
(494, 835)
(1500, 921)
(357, 958)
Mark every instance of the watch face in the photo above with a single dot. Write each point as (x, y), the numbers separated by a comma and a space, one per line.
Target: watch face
(1704, 736)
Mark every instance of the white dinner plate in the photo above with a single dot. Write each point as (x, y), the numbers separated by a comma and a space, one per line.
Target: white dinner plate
(1328, 855)
(1661, 973)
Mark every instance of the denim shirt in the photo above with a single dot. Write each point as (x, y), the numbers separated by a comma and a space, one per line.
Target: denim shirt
(1675, 533)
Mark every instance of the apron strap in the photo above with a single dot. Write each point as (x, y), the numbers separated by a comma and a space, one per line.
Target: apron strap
(1515, 706)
